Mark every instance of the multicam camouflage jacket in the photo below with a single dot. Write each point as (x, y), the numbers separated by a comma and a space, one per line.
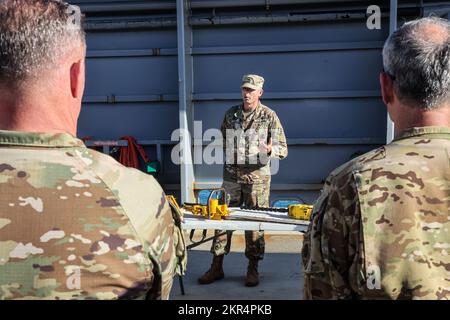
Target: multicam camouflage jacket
(243, 137)
(380, 229)
(76, 224)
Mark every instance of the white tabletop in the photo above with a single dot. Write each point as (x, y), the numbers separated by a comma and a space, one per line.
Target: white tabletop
(197, 222)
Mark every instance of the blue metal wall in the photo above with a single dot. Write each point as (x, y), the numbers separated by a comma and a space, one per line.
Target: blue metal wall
(320, 62)
(132, 88)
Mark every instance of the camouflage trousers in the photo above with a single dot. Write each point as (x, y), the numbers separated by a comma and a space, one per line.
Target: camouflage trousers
(250, 195)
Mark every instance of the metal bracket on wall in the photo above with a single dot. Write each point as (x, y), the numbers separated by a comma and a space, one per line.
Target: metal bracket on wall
(111, 99)
(156, 51)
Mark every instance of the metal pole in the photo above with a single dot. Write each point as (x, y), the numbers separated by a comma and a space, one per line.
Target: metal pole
(185, 102)
(392, 28)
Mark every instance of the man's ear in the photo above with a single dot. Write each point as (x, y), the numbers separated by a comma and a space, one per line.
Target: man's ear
(261, 91)
(77, 74)
(387, 88)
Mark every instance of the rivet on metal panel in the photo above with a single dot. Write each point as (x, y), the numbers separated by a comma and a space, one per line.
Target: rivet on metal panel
(267, 5)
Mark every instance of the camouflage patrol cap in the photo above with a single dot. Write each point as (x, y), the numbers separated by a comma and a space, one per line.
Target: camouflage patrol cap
(252, 81)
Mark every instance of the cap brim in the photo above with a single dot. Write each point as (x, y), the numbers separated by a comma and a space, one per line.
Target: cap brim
(249, 85)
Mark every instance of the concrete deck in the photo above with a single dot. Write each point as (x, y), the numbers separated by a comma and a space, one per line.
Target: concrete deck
(280, 271)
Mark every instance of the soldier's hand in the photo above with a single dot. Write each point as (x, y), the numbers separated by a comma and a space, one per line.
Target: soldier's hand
(266, 148)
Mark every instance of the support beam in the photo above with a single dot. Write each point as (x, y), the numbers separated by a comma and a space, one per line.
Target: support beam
(186, 110)
(225, 96)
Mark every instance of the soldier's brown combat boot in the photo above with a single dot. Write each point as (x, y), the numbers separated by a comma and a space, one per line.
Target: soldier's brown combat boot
(214, 273)
(252, 278)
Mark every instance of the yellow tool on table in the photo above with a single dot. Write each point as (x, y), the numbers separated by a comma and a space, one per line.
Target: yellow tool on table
(300, 211)
(174, 204)
(216, 207)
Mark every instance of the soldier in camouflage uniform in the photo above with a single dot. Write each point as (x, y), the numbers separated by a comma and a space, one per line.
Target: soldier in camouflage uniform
(380, 228)
(253, 136)
(74, 223)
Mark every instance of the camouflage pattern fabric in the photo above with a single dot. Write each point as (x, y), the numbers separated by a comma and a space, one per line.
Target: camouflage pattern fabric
(76, 224)
(380, 229)
(259, 126)
(251, 195)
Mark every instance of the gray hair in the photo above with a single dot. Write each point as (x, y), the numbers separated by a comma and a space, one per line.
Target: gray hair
(34, 34)
(419, 63)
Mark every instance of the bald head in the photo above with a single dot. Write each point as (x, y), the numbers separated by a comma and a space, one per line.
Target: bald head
(432, 33)
(417, 58)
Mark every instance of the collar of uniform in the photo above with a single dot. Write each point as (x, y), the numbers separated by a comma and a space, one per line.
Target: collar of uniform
(46, 140)
(433, 131)
(258, 107)
(240, 111)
